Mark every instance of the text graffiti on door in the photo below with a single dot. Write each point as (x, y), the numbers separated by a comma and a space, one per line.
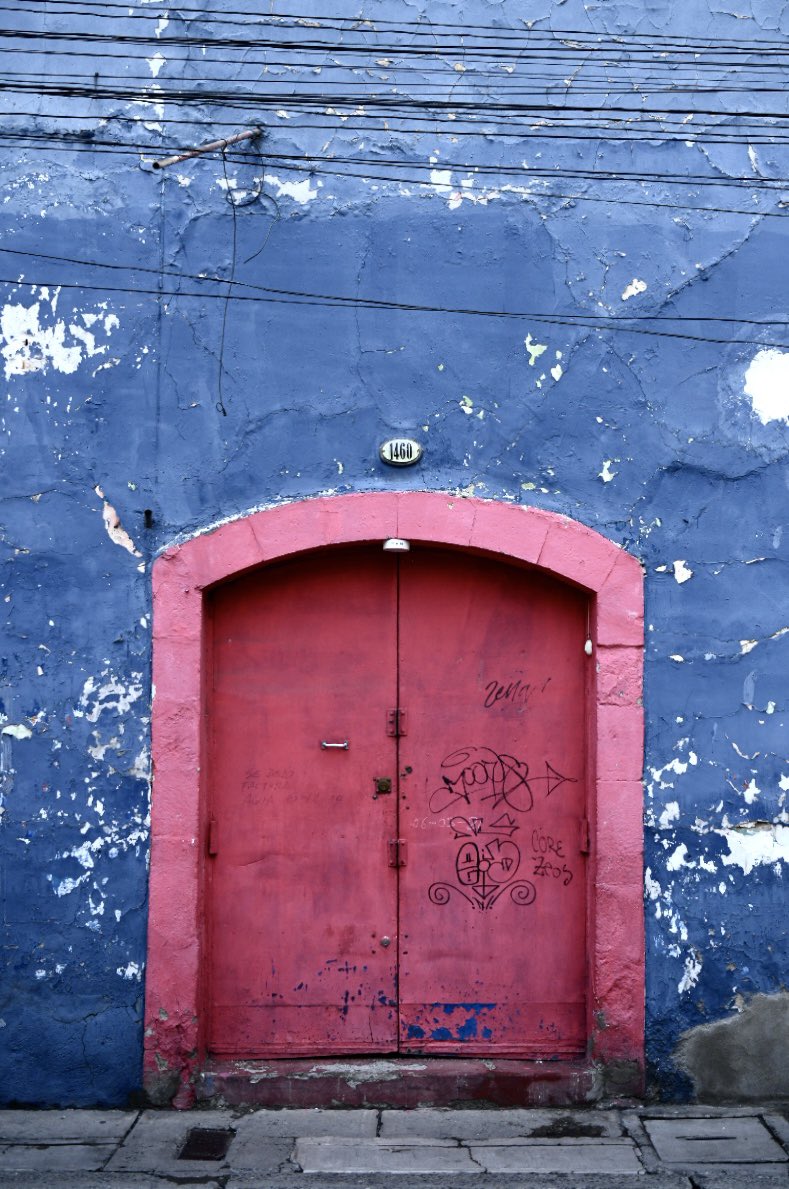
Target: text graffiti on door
(482, 789)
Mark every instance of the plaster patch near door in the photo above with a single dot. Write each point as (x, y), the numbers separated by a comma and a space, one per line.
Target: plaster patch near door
(115, 530)
(767, 385)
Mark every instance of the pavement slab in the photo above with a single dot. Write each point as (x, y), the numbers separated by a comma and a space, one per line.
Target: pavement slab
(154, 1143)
(744, 1177)
(733, 1139)
(779, 1126)
(54, 1157)
(104, 1180)
(412, 1155)
(55, 1127)
(481, 1180)
(494, 1124)
(558, 1156)
(310, 1121)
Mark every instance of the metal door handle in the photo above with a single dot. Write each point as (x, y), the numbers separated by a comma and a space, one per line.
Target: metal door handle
(342, 746)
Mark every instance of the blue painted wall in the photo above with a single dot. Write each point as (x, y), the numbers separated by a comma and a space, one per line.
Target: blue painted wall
(669, 437)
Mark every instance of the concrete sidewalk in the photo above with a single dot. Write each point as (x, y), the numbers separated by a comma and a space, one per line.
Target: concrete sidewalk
(666, 1147)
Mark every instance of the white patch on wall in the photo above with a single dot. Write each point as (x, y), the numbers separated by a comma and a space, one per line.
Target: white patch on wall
(17, 731)
(634, 288)
(155, 64)
(108, 694)
(670, 814)
(441, 180)
(679, 859)
(300, 192)
(33, 339)
(131, 972)
(751, 792)
(535, 349)
(767, 385)
(692, 972)
(682, 571)
(607, 474)
(651, 886)
(761, 844)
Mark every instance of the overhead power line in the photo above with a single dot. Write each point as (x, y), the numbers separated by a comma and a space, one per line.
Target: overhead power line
(415, 28)
(468, 52)
(539, 128)
(526, 173)
(481, 108)
(269, 294)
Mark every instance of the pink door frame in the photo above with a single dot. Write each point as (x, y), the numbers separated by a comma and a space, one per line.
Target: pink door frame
(555, 544)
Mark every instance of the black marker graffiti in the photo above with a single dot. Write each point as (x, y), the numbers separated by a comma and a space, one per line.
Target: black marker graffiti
(492, 777)
(498, 786)
(521, 893)
(513, 693)
(545, 867)
(486, 775)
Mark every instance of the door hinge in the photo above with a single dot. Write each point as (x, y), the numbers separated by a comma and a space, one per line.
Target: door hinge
(212, 838)
(398, 852)
(585, 838)
(396, 722)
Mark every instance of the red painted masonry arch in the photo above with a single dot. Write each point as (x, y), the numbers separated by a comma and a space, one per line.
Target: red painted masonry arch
(563, 548)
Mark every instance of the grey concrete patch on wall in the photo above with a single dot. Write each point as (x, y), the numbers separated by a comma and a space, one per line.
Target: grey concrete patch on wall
(743, 1058)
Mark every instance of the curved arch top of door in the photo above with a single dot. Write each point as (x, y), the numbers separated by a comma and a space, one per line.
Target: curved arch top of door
(553, 544)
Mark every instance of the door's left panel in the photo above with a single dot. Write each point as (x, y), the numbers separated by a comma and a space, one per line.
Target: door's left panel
(300, 895)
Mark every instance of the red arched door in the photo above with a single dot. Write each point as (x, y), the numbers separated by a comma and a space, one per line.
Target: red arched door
(397, 802)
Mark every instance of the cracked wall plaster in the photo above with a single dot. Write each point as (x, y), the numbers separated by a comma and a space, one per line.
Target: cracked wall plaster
(114, 444)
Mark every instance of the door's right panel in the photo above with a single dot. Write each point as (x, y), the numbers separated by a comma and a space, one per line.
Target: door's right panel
(492, 674)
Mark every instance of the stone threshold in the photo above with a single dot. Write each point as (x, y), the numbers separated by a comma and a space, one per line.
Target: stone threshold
(400, 1082)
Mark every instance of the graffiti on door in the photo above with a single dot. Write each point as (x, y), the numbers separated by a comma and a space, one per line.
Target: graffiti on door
(488, 787)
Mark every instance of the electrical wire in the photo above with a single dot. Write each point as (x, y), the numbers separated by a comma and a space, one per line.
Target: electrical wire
(425, 27)
(468, 53)
(542, 128)
(59, 141)
(269, 294)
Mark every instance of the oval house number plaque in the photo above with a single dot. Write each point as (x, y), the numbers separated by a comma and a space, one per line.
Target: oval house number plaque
(400, 452)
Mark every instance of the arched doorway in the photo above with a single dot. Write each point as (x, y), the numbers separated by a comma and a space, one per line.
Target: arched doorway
(410, 766)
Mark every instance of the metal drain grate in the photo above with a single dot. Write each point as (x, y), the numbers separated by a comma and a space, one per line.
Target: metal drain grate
(206, 1143)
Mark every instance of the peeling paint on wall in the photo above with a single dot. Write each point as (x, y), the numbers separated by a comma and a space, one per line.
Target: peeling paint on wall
(757, 843)
(767, 384)
(34, 339)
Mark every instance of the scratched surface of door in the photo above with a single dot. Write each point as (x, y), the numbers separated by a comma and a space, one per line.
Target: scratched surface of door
(300, 891)
(492, 897)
